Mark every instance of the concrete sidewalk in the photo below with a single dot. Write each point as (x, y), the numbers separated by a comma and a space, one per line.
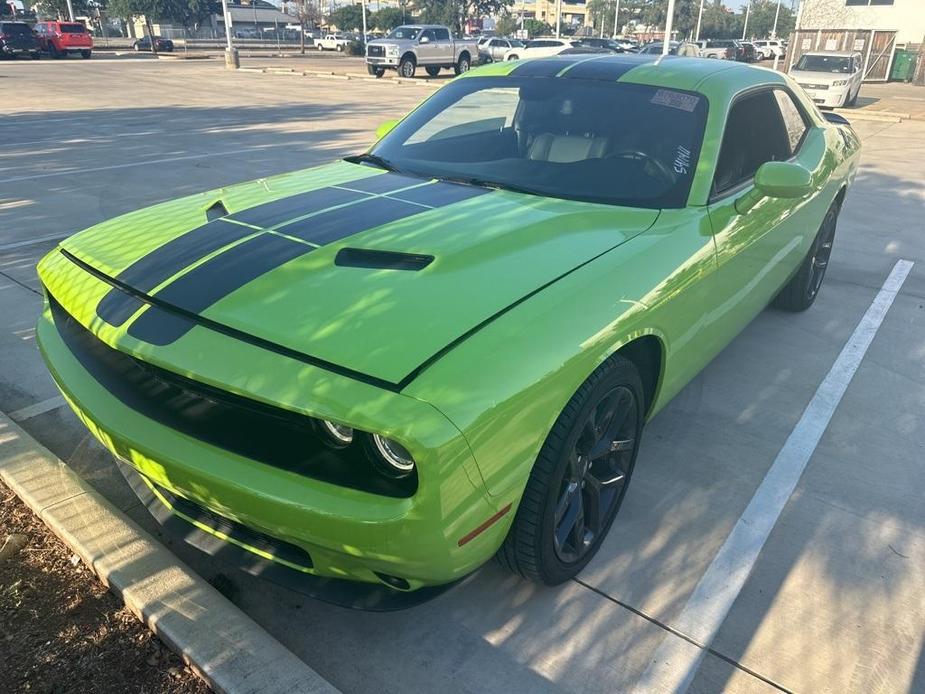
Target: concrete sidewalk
(219, 642)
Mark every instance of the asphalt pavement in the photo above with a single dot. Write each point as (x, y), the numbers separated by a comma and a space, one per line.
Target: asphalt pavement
(833, 602)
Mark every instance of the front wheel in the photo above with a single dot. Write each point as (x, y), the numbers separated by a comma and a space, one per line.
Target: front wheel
(803, 288)
(513, 57)
(406, 67)
(376, 72)
(85, 55)
(462, 65)
(580, 477)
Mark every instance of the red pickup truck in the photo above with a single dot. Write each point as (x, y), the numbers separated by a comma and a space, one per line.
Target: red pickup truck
(60, 38)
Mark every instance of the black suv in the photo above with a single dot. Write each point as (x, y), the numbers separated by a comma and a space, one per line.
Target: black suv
(16, 38)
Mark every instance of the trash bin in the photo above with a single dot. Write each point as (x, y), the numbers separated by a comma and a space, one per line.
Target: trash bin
(903, 66)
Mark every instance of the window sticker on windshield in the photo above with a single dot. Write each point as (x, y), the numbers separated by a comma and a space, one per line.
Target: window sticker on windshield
(682, 161)
(679, 100)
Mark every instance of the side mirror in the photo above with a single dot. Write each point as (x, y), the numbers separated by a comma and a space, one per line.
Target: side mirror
(424, 39)
(385, 128)
(777, 179)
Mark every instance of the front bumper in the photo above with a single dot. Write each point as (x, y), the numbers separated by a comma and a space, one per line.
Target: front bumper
(827, 98)
(348, 533)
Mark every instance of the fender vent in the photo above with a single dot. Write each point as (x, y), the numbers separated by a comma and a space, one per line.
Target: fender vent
(216, 210)
(381, 260)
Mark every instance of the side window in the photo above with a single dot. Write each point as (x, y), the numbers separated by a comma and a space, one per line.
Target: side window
(793, 119)
(428, 34)
(742, 152)
(442, 34)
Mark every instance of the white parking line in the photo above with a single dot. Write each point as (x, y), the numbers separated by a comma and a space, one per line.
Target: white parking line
(145, 162)
(29, 242)
(37, 409)
(676, 661)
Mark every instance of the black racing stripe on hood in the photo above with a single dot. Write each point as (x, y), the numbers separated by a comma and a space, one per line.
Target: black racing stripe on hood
(166, 261)
(334, 225)
(160, 327)
(440, 194)
(272, 213)
(382, 183)
(609, 68)
(548, 67)
(215, 279)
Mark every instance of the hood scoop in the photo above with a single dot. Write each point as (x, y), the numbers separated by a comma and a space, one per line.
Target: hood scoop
(216, 210)
(381, 260)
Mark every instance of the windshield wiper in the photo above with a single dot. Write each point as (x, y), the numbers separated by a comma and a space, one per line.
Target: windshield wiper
(483, 183)
(373, 159)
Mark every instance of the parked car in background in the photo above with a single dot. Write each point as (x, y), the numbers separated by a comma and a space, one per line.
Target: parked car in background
(655, 48)
(628, 45)
(333, 42)
(17, 38)
(540, 47)
(769, 48)
(144, 44)
(58, 39)
(608, 45)
(430, 46)
(493, 49)
(830, 79)
(750, 52)
(720, 50)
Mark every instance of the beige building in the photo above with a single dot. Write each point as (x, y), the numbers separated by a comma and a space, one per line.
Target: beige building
(905, 17)
(573, 13)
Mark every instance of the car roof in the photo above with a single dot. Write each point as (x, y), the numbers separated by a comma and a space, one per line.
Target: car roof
(726, 77)
(833, 54)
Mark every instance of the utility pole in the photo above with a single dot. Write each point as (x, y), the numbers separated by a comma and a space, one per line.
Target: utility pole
(70, 10)
(776, 15)
(232, 62)
(558, 16)
(699, 19)
(364, 27)
(748, 8)
(669, 20)
(616, 14)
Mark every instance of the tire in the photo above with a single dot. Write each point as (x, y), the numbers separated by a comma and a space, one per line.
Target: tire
(86, 54)
(407, 67)
(801, 291)
(376, 72)
(36, 56)
(462, 65)
(543, 542)
(432, 70)
(136, 47)
(339, 48)
(854, 99)
(54, 52)
(513, 57)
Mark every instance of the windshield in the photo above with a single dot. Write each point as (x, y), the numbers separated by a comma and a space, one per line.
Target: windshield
(408, 33)
(824, 63)
(616, 143)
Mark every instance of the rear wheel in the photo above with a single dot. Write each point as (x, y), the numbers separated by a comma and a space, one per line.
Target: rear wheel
(803, 288)
(462, 65)
(432, 70)
(85, 55)
(580, 477)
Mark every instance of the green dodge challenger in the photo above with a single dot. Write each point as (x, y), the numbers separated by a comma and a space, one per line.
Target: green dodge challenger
(391, 368)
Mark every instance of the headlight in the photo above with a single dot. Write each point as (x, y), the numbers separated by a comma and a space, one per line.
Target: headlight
(391, 51)
(336, 435)
(393, 458)
(839, 83)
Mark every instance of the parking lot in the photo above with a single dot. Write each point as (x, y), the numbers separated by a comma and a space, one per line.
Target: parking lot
(834, 599)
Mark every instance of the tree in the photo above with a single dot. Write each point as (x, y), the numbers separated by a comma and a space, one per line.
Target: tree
(761, 19)
(507, 24)
(535, 27)
(388, 18)
(58, 8)
(454, 13)
(347, 17)
(151, 10)
(719, 22)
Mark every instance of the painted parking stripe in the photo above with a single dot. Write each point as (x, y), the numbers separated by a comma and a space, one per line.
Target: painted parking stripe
(215, 279)
(676, 661)
(164, 262)
(272, 213)
(38, 408)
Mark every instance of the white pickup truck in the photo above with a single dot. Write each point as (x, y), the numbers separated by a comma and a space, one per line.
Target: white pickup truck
(430, 46)
(332, 42)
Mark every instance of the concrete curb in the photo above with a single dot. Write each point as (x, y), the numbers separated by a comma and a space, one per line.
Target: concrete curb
(331, 75)
(225, 647)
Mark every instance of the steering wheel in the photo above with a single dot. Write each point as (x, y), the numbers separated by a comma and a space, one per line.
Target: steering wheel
(645, 157)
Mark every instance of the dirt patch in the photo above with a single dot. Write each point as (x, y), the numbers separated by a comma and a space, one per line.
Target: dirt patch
(61, 630)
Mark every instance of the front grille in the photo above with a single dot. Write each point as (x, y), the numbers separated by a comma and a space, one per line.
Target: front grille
(375, 51)
(815, 86)
(270, 435)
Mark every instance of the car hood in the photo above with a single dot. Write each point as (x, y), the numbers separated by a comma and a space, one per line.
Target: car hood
(817, 77)
(366, 270)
